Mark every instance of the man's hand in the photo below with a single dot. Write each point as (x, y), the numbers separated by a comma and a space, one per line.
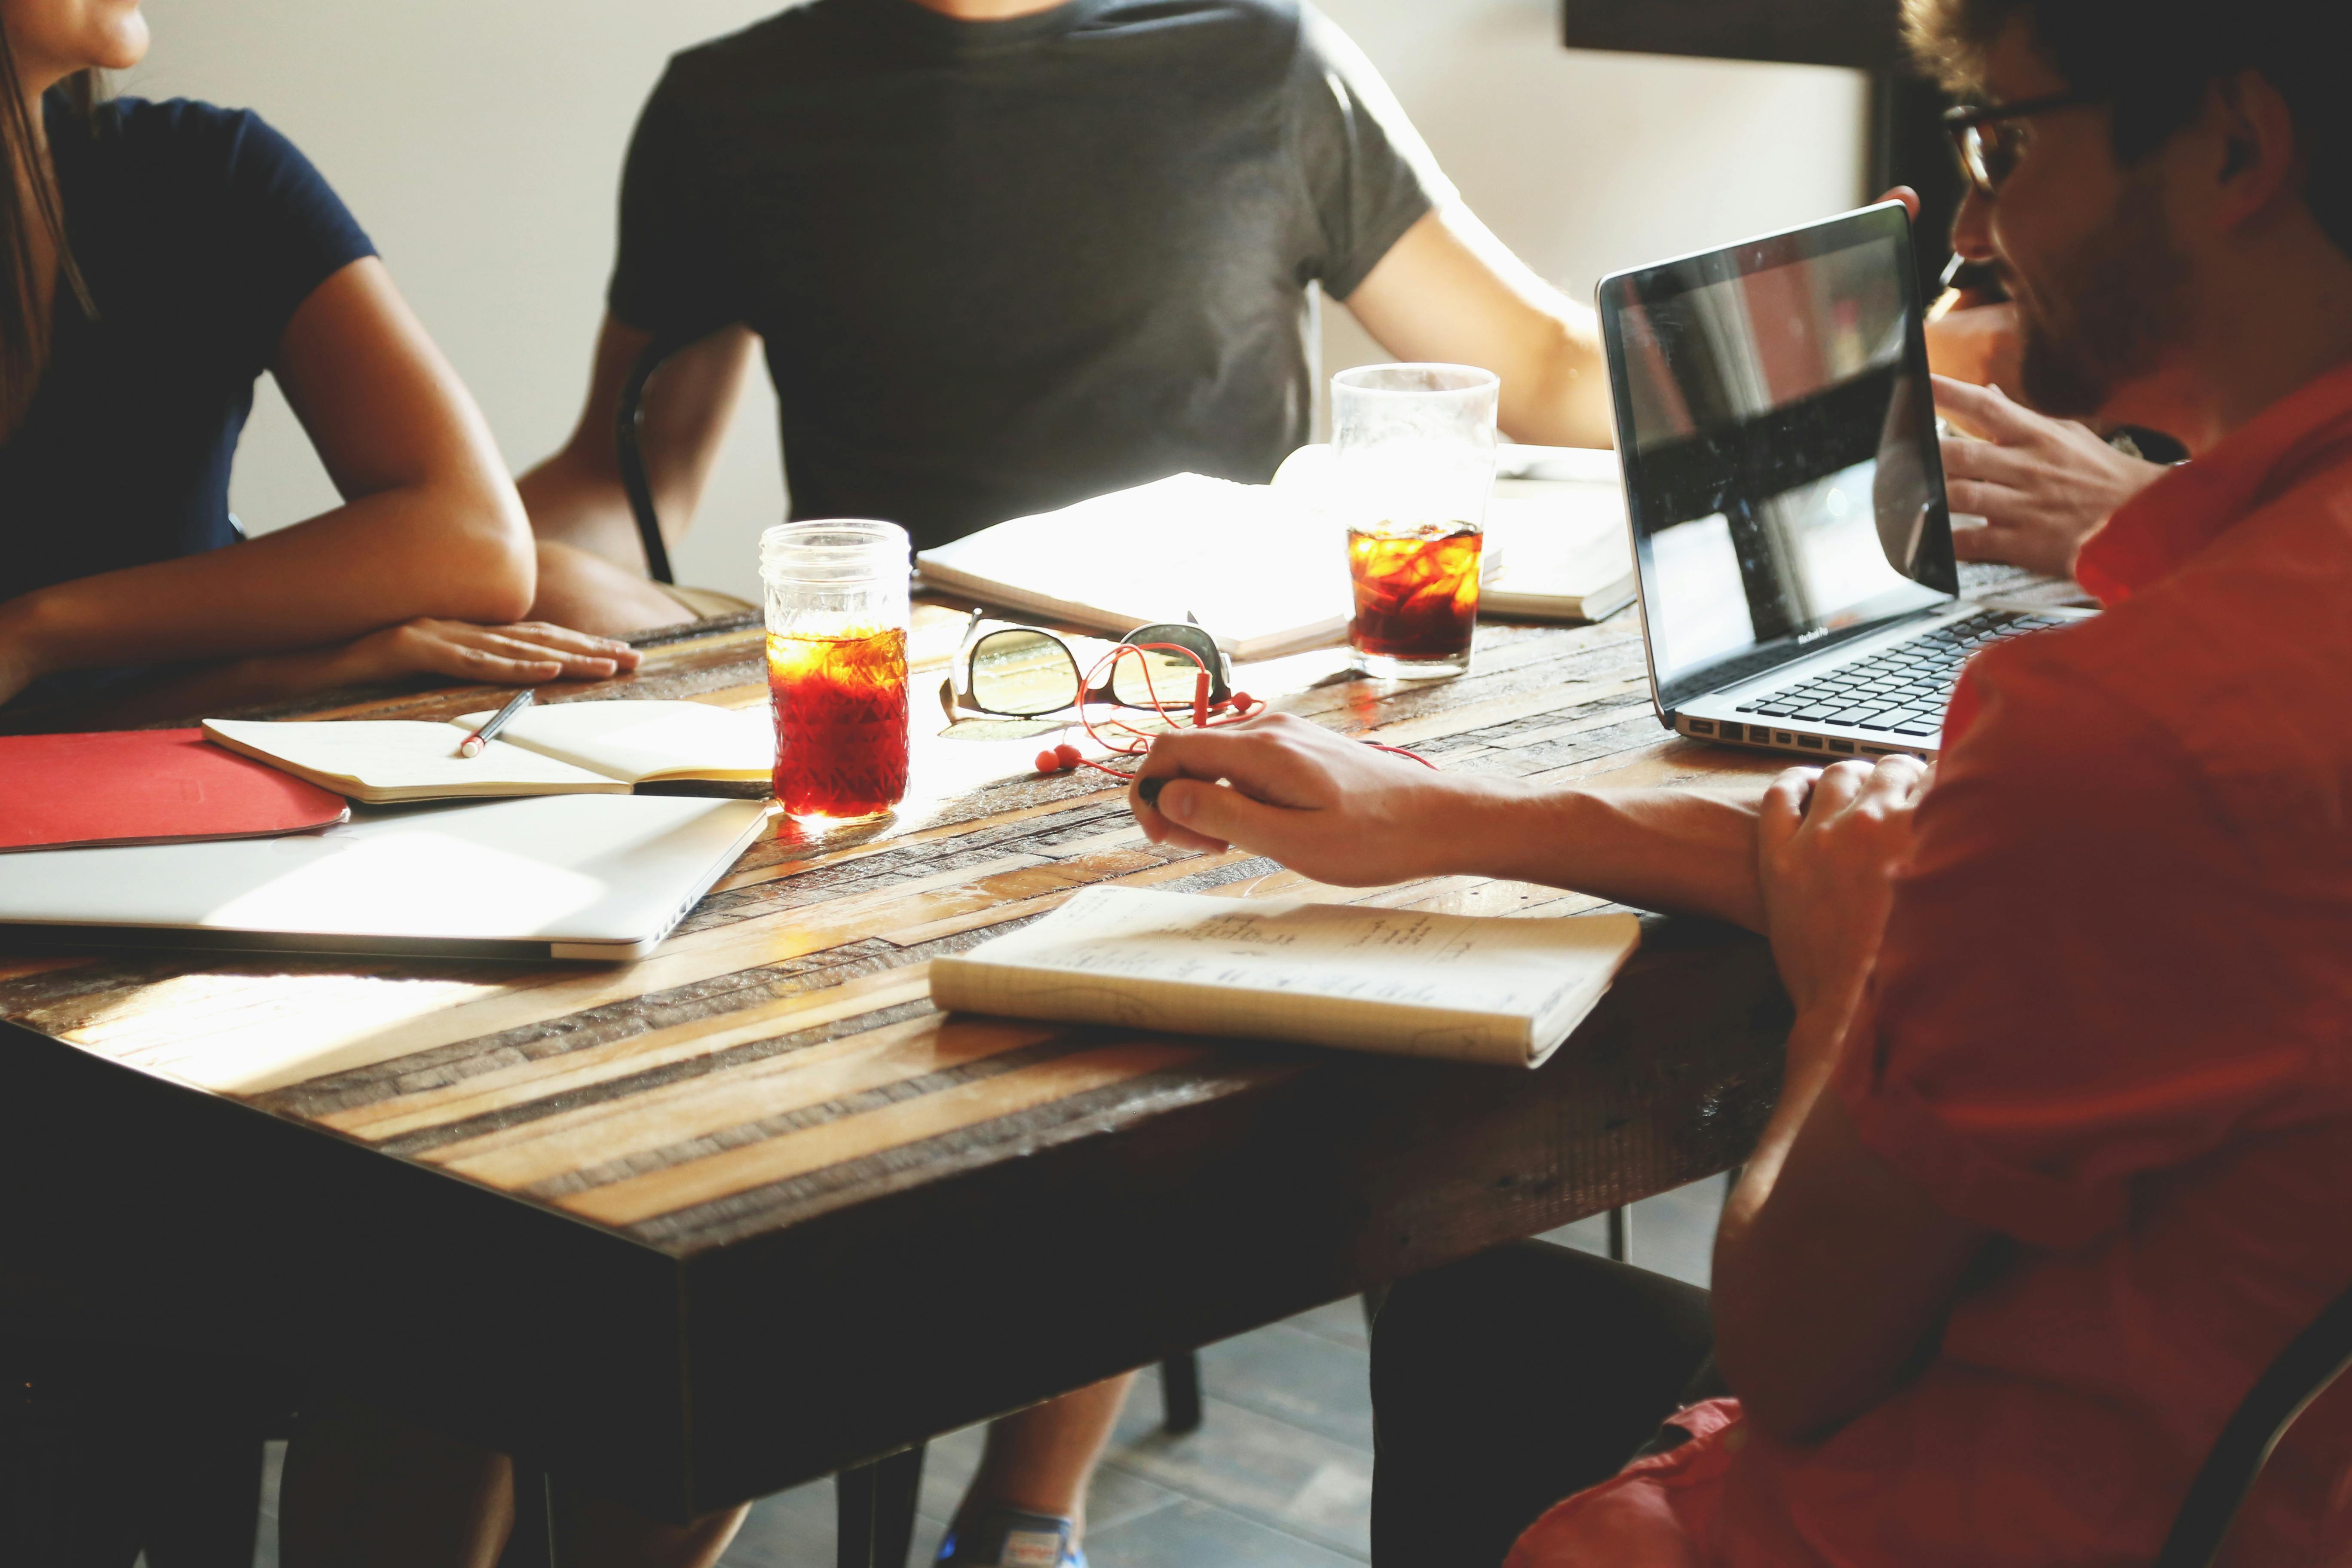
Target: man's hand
(1976, 343)
(1326, 806)
(2043, 486)
(1828, 846)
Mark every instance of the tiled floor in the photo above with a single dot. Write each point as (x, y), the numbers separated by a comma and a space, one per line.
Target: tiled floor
(1279, 1476)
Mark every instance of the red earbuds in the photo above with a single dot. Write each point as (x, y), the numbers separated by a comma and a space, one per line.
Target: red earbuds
(1062, 759)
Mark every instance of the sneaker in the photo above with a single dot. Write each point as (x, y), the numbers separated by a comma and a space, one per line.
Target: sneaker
(998, 1537)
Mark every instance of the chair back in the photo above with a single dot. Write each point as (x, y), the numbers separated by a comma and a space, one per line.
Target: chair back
(2303, 1372)
(628, 422)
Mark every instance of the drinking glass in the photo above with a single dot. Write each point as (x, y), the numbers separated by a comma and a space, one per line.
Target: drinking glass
(1413, 461)
(837, 622)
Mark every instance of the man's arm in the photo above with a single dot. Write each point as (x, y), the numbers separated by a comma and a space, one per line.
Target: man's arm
(430, 526)
(1343, 812)
(575, 497)
(1449, 290)
(1832, 1270)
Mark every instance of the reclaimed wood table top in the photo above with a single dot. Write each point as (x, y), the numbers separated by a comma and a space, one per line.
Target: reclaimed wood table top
(738, 1215)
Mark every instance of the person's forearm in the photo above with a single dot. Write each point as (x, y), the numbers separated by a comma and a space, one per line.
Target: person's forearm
(461, 551)
(1683, 851)
(1561, 399)
(576, 503)
(1812, 1056)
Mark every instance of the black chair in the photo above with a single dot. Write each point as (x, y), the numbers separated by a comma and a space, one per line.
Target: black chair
(628, 427)
(2303, 1372)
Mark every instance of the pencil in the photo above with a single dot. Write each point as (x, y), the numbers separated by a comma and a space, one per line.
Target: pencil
(472, 744)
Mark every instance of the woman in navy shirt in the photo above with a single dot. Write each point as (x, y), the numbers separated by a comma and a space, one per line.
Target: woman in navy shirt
(155, 260)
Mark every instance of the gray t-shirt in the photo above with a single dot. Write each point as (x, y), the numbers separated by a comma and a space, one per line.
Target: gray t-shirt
(1004, 266)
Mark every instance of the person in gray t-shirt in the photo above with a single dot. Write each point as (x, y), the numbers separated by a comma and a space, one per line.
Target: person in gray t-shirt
(1001, 265)
(1003, 255)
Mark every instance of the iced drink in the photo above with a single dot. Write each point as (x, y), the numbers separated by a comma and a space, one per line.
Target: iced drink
(841, 721)
(1416, 597)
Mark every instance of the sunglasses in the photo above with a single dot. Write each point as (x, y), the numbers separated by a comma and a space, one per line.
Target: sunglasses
(1990, 138)
(1025, 672)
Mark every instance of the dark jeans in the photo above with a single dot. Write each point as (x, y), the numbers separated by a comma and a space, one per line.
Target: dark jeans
(1505, 1383)
(106, 1451)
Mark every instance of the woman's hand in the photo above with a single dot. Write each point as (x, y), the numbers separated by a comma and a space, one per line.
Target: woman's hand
(2043, 486)
(1326, 806)
(518, 654)
(1828, 846)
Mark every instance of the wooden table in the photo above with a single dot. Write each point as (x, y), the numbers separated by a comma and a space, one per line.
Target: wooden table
(719, 1222)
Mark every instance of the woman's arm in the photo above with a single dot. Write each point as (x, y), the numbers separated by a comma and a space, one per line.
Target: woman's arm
(430, 526)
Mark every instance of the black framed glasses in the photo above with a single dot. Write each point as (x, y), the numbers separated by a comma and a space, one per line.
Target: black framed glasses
(1990, 138)
(1025, 672)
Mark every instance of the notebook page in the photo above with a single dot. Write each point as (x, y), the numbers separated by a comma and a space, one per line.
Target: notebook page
(642, 741)
(1402, 980)
(401, 759)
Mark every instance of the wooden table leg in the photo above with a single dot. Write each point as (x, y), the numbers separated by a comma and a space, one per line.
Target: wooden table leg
(874, 1504)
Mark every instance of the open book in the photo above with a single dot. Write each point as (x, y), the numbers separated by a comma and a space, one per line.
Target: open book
(566, 748)
(1265, 576)
(1480, 988)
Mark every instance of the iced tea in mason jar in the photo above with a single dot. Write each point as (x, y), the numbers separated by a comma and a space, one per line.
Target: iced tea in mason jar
(837, 621)
(1412, 463)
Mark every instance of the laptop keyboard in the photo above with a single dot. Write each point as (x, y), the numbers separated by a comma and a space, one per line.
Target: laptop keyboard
(1902, 689)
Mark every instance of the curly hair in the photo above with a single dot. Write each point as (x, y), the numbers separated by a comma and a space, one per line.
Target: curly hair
(2153, 61)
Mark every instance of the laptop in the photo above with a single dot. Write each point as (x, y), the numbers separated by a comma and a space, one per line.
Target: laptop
(1792, 544)
(561, 875)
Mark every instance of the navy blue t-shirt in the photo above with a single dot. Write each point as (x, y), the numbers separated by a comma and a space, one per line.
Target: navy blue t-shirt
(199, 231)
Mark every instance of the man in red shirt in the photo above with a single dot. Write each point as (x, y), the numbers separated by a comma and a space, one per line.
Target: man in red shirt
(2063, 1154)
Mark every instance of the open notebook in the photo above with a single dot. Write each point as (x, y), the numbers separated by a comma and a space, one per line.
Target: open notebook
(1479, 988)
(569, 748)
(1265, 576)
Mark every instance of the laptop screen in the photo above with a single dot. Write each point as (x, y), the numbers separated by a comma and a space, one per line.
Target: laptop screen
(1778, 436)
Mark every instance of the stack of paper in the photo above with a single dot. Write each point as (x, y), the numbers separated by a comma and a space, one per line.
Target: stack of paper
(1265, 574)
(1481, 988)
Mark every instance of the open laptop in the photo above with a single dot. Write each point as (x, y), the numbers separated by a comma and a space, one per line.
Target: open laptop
(1792, 545)
(561, 875)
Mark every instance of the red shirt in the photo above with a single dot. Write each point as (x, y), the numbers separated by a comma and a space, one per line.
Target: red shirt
(2112, 1023)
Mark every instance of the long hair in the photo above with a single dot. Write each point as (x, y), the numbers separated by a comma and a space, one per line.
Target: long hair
(29, 206)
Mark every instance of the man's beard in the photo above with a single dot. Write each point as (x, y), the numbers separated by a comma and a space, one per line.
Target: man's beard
(2115, 302)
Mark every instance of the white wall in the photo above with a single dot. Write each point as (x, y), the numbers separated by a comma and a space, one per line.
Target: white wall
(1586, 162)
(480, 141)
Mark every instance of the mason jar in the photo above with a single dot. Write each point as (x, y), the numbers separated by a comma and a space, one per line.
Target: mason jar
(837, 622)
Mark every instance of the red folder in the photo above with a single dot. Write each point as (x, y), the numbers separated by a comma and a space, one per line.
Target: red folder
(147, 787)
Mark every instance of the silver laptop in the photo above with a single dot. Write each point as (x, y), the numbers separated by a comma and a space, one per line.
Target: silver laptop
(559, 876)
(1792, 545)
